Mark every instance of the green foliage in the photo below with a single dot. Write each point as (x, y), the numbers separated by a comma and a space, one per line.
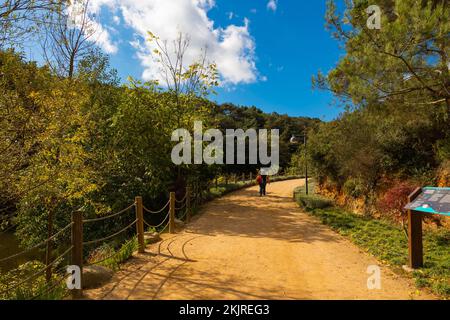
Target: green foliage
(393, 83)
(37, 288)
(230, 116)
(353, 188)
(111, 257)
(310, 202)
(443, 149)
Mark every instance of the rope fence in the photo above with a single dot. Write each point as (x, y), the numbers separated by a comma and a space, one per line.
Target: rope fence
(109, 216)
(110, 236)
(159, 225)
(37, 245)
(156, 212)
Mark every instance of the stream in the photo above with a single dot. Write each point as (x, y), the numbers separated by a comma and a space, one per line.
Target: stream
(9, 245)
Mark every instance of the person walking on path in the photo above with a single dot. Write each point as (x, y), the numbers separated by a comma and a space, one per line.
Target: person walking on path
(262, 180)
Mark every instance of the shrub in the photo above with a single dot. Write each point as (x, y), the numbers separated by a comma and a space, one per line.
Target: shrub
(13, 287)
(311, 202)
(394, 201)
(353, 188)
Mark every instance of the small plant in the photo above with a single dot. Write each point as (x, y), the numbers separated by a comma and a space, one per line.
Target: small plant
(13, 287)
(394, 201)
(311, 202)
(353, 188)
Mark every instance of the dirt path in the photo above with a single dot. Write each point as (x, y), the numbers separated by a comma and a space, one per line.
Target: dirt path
(246, 247)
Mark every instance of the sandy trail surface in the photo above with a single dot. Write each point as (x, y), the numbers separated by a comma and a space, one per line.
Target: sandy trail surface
(242, 246)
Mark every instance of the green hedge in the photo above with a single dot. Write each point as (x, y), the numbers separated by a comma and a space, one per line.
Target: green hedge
(311, 202)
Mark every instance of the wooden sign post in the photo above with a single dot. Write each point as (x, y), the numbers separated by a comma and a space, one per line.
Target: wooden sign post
(428, 200)
(415, 234)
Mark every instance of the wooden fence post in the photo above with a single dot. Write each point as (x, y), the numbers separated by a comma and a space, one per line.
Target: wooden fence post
(251, 177)
(415, 234)
(140, 224)
(77, 249)
(188, 204)
(172, 213)
(243, 177)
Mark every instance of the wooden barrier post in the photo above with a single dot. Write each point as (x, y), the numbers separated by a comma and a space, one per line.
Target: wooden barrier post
(77, 250)
(243, 177)
(415, 234)
(172, 213)
(140, 224)
(188, 204)
(251, 177)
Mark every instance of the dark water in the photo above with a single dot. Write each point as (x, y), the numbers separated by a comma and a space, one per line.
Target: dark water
(9, 245)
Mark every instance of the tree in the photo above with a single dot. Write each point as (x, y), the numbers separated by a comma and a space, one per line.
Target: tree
(69, 37)
(406, 61)
(183, 81)
(19, 18)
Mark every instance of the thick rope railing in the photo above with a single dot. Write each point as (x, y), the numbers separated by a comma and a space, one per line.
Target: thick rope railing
(159, 225)
(183, 215)
(180, 208)
(110, 236)
(156, 212)
(53, 237)
(164, 229)
(77, 227)
(110, 216)
(182, 200)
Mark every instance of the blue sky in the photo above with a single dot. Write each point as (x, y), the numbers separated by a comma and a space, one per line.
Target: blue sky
(267, 54)
(291, 46)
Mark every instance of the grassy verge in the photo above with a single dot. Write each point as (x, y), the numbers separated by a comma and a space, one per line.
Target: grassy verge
(388, 243)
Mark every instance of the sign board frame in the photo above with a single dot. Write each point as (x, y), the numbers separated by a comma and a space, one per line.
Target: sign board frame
(415, 218)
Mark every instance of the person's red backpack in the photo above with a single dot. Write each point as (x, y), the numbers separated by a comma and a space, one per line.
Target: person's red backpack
(259, 179)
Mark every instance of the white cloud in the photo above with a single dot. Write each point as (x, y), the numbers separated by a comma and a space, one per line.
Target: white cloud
(272, 5)
(116, 20)
(100, 34)
(231, 47)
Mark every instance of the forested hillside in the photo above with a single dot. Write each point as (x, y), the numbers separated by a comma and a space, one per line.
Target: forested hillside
(393, 85)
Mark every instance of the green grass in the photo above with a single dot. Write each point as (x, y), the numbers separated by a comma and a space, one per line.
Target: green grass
(310, 201)
(115, 257)
(13, 288)
(388, 243)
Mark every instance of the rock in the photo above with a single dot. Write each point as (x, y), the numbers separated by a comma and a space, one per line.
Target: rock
(151, 237)
(407, 269)
(96, 276)
(179, 223)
